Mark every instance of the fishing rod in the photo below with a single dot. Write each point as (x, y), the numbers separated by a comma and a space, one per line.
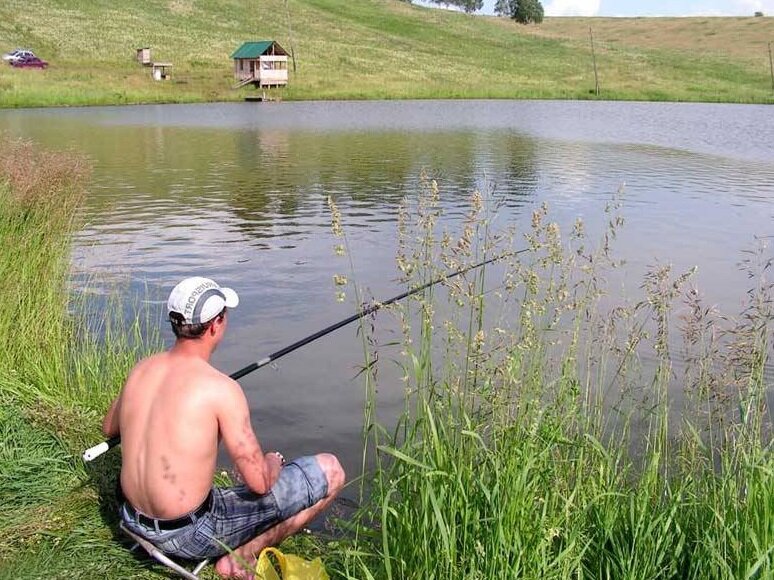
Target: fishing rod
(94, 452)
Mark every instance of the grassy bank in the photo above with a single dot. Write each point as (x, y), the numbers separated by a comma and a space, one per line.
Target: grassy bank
(374, 49)
(55, 381)
(535, 442)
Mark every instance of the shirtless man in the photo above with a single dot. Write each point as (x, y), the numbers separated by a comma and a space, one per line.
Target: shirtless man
(171, 414)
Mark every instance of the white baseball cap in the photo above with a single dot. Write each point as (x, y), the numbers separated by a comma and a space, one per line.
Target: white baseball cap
(200, 299)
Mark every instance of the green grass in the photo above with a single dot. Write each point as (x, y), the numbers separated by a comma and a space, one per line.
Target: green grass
(534, 443)
(56, 379)
(371, 49)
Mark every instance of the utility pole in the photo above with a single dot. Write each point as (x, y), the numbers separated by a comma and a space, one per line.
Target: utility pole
(771, 68)
(594, 60)
(290, 37)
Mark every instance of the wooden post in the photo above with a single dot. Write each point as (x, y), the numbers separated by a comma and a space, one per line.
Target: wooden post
(290, 36)
(594, 60)
(771, 67)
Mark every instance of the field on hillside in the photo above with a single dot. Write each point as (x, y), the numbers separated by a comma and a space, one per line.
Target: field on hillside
(374, 49)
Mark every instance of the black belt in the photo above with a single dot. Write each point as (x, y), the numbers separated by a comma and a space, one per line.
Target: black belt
(173, 524)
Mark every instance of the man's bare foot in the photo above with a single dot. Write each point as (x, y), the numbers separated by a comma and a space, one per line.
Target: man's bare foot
(232, 566)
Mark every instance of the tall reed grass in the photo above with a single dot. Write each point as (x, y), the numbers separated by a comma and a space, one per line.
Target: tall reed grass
(56, 376)
(38, 196)
(536, 443)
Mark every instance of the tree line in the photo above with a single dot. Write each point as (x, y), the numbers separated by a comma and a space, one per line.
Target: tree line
(524, 11)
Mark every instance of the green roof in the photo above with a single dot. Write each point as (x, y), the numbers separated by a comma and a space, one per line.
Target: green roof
(252, 49)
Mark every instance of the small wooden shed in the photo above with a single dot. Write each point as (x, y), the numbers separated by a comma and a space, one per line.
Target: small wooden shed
(144, 56)
(159, 71)
(263, 63)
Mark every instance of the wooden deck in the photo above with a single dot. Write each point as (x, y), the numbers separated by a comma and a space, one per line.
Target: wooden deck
(262, 98)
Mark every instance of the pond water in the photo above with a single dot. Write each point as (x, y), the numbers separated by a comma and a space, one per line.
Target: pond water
(238, 192)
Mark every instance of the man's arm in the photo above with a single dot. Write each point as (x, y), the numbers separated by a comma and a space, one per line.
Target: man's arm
(258, 471)
(110, 422)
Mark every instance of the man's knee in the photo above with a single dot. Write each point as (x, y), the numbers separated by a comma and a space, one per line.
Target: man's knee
(333, 471)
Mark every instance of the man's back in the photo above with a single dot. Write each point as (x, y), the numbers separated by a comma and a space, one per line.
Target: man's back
(171, 415)
(169, 434)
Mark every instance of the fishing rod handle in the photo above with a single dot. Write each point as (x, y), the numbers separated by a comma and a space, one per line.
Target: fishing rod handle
(93, 452)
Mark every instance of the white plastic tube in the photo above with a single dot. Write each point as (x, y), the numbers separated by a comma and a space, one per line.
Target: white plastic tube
(93, 452)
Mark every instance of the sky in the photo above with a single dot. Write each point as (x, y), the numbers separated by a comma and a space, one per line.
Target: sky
(650, 7)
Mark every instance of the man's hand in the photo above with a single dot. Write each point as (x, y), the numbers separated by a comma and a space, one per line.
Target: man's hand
(274, 461)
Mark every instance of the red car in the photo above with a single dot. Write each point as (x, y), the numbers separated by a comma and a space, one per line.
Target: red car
(30, 62)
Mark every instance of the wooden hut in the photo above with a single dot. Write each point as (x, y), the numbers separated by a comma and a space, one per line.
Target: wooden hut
(263, 63)
(144, 56)
(159, 70)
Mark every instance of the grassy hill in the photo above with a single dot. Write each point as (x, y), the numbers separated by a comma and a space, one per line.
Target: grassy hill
(374, 49)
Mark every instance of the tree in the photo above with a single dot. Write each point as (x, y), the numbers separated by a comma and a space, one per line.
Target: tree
(502, 8)
(466, 5)
(470, 6)
(526, 11)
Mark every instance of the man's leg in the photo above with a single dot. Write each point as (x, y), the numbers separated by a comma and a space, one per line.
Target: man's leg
(231, 565)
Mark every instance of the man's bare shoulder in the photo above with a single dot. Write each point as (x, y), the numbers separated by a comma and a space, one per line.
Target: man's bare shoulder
(150, 362)
(143, 366)
(210, 374)
(210, 380)
(191, 371)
